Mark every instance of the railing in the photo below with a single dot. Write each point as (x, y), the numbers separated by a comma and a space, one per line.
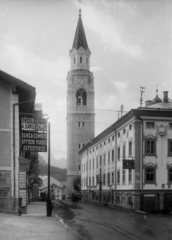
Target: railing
(9, 204)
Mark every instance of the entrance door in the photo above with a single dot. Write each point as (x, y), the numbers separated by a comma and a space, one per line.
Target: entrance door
(149, 204)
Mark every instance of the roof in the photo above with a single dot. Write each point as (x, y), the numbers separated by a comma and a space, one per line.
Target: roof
(52, 181)
(161, 105)
(153, 111)
(80, 38)
(25, 91)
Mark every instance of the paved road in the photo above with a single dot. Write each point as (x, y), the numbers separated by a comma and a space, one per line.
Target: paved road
(98, 222)
(13, 227)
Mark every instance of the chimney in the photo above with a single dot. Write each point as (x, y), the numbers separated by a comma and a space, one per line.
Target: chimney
(148, 103)
(165, 96)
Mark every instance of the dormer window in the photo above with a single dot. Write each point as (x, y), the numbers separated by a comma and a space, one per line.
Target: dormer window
(80, 59)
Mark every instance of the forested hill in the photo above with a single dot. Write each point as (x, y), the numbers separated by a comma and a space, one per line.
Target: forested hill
(58, 173)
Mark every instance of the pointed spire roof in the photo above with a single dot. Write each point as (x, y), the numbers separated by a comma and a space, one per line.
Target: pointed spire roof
(80, 38)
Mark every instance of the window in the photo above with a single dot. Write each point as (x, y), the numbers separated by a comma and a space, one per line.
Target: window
(170, 125)
(108, 178)
(74, 60)
(149, 175)
(118, 134)
(130, 127)
(112, 155)
(83, 124)
(81, 97)
(113, 138)
(104, 179)
(169, 147)
(104, 142)
(108, 157)
(80, 59)
(97, 161)
(129, 175)
(130, 148)
(170, 175)
(93, 181)
(100, 145)
(123, 176)
(100, 160)
(109, 140)
(79, 167)
(118, 177)
(150, 147)
(150, 125)
(123, 151)
(124, 131)
(104, 158)
(118, 153)
(112, 177)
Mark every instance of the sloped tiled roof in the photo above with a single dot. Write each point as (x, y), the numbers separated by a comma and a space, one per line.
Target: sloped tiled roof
(15, 81)
(160, 105)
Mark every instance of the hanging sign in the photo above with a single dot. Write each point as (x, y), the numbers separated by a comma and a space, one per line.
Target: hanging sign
(128, 164)
(34, 124)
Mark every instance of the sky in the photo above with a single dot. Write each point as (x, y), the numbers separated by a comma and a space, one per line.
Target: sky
(130, 43)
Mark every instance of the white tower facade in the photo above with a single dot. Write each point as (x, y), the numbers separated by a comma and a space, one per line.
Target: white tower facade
(80, 104)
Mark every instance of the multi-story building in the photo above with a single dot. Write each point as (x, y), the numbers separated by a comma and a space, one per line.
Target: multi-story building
(16, 97)
(130, 163)
(80, 104)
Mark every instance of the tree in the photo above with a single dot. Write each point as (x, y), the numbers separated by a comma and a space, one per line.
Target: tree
(77, 183)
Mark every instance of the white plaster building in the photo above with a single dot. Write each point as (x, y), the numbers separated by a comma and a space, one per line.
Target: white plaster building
(56, 188)
(130, 163)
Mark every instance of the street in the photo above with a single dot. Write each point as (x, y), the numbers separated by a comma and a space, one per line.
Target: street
(94, 221)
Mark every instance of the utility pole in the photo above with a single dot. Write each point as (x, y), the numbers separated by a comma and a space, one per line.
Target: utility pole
(121, 111)
(49, 207)
(141, 95)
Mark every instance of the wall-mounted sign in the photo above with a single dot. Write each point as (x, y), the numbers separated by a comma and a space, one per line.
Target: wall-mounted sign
(128, 164)
(5, 184)
(34, 124)
(5, 191)
(34, 141)
(22, 187)
(5, 177)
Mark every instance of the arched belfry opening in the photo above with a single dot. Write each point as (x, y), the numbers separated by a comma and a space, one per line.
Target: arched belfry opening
(81, 97)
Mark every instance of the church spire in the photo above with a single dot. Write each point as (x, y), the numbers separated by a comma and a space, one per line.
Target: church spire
(80, 38)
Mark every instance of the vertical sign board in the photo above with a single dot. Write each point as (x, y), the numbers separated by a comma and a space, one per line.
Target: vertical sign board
(34, 134)
(5, 184)
(22, 187)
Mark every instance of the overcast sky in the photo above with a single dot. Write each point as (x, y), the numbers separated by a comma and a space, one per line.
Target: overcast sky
(130, 43)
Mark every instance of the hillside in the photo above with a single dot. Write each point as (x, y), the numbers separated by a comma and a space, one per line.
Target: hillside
(58, 173)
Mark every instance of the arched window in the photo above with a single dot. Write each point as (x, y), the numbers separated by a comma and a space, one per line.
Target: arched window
(81, 97)
(80, 59)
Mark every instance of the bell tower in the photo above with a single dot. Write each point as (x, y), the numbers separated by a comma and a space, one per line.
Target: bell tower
(80, 104)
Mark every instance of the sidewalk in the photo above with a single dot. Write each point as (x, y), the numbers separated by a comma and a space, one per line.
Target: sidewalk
(34, 225)
(37, 209)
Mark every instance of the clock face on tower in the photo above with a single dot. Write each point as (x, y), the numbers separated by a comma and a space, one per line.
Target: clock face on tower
(81, 81)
